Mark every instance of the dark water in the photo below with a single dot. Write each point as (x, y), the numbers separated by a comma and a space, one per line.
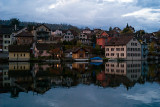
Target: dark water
(125, 84)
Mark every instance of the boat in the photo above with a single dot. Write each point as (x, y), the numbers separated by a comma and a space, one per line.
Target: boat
(96, 59)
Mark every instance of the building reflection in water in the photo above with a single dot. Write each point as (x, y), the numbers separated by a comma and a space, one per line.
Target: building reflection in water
(18, 77)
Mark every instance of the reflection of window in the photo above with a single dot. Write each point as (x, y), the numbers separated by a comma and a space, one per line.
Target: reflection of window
(122, 71)
(112, 65)
(107, 54)
(107, 70)
(112, 54)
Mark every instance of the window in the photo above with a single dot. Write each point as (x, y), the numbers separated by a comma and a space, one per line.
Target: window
(14, 55)
(138, 49)
(21, 54)
(128, 49)
(122, 49)
(112, 54)
(117, 49)
(135, 44)
(135, 49)
(134, 39)
(112, 49)
(107, 54)
(112, 70)
(107, 49)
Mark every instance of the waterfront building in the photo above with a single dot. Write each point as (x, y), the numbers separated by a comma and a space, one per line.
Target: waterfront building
(19, 52)
(124, 47)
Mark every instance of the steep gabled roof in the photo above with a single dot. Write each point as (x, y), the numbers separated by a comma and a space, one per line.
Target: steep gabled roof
(72, 31)
(123, 40)
(77, 49)
(44, 26)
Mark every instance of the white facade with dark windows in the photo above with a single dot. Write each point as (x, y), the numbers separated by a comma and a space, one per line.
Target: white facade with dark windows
(126, 47)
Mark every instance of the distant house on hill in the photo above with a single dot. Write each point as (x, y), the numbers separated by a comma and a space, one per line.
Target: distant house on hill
(125, 47)
(85, 38)
(87, 31)
(101, 38)
(24, 38)
(41, 33)
(69, 35)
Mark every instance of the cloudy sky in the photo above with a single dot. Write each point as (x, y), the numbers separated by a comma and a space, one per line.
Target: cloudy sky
(141, 14)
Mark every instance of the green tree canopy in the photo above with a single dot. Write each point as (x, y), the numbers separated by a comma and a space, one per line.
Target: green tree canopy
(14, 21)
(126, 30)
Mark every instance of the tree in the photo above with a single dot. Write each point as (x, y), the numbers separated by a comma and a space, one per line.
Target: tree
(152, 48)
(140, 32)
(126, 30)
(158, 34)
(110, 29)
(93, 39)
(14, 21)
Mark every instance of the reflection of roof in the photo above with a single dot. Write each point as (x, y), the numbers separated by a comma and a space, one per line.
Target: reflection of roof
(43, 46)
(19, 48)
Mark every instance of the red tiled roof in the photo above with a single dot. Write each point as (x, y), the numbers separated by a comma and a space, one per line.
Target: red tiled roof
(123, 40)
(24, 34)
(19, 48)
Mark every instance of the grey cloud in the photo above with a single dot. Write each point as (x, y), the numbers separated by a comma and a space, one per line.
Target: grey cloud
(93, 13)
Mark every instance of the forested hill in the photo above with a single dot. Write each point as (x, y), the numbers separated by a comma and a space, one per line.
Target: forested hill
(52, 26)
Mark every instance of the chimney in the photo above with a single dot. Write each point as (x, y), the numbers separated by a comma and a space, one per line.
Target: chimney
(15, 27)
